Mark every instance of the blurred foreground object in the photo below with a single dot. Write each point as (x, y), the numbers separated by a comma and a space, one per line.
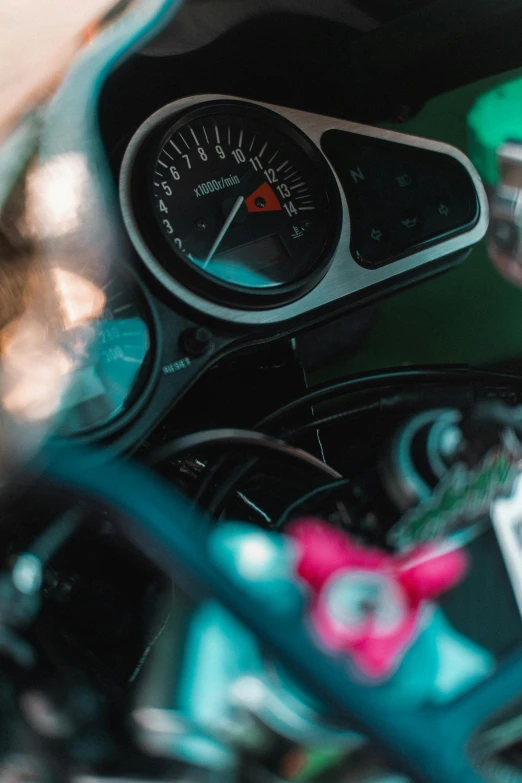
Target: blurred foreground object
(60, 235)
(38, 41)
(495, 125)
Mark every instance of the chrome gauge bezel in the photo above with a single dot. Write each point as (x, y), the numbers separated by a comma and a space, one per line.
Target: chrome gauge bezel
(195, 278)
(344, 278)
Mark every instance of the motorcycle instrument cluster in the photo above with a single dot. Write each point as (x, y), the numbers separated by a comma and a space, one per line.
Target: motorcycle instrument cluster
(260, 215)
(252, 222)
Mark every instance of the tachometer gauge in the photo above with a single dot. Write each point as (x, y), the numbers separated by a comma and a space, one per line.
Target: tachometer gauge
(237, 203)
(113, 362)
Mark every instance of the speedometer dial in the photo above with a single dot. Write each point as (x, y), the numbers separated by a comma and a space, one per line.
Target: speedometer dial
(113, 359)
(244, 204)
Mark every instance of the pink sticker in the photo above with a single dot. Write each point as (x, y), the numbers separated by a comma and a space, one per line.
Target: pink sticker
(366, 602)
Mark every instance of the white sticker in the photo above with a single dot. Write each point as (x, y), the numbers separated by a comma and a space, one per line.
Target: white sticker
(506, 516)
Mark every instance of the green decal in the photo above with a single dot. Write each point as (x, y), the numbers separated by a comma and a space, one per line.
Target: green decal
(461, 498)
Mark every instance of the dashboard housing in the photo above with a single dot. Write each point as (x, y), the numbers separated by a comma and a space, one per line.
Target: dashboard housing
(346, 286)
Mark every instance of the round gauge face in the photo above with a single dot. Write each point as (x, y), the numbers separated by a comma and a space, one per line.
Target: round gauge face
(112, 359)
(245, 200)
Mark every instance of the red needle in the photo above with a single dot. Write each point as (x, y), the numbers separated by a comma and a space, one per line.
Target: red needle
(264, 192)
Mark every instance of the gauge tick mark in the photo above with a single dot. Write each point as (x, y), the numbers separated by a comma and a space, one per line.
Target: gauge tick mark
(114, 296)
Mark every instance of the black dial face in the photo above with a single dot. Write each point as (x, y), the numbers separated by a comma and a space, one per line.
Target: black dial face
(245, 200)
(113, 361)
